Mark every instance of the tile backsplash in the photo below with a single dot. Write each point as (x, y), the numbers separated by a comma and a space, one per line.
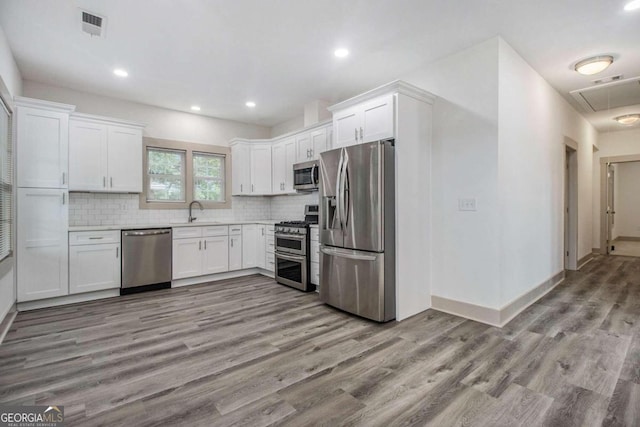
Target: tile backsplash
(123, 209)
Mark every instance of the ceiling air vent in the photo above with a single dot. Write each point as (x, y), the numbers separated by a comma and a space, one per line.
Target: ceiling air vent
(607, 96)
(92, 24)
(608, 79)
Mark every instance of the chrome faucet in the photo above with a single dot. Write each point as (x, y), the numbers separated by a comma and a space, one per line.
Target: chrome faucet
(191, 217)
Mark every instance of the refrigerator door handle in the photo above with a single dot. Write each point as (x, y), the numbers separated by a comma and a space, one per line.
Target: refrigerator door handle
(339, 189)
(339, 253)
(343, 190)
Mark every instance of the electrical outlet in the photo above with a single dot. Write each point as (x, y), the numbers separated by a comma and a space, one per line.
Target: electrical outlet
(467, 204)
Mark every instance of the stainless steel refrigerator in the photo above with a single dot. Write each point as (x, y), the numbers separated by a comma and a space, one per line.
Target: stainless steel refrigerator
(357, 229)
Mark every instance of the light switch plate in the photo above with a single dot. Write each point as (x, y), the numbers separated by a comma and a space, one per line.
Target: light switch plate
(467, 204)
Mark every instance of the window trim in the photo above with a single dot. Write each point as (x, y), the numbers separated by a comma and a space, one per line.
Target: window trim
(189, 148)
(6, 262)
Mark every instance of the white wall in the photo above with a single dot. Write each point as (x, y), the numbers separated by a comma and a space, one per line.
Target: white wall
(464, 164)
(160, 122)
(533, 121)
(287, 126)
(627, 200)
(10, 85)
(610, 144)
(8, 69)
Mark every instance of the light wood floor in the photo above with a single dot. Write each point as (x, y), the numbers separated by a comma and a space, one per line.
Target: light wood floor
(252, 352)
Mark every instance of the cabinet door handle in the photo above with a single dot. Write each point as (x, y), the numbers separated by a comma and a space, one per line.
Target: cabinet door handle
(361, 134)
(205, 245)
(117, 250)
(232, 242)
(64, 197)
(64, 177)
(111, 181)
(199, 245)
(356, 131)
(310, 153)
(262, 231)
(104, 181)
(252, 188)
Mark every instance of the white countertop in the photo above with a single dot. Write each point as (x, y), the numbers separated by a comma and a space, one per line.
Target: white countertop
(169, 225)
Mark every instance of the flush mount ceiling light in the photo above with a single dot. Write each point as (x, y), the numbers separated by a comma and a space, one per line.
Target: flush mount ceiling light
(120, 72)
(341, 53)
(195, 107)
(594, 65)
(632, 5)
(250, 104)
(627, 119)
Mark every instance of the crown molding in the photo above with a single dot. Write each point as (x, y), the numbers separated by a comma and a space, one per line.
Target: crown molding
(21, 101)
(396, 86)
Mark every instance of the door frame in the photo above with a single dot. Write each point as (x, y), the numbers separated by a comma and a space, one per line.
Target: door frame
(570, 205)
(604, 189)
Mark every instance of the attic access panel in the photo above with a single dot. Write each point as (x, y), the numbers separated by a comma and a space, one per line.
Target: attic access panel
(623, 93)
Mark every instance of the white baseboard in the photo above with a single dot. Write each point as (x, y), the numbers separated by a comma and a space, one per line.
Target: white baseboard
(494, 316)
(6, 321)
(69, 299)
(585, 260)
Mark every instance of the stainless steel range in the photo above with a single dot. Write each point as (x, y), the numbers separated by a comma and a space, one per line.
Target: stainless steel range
(292, 251)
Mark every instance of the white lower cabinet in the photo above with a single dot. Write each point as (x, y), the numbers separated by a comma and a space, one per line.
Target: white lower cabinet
(42, 243)
(235, 251)
(249, 249)
(93, 265)
(216, 255)
(198, 251)
(261, 242)
(186, 258)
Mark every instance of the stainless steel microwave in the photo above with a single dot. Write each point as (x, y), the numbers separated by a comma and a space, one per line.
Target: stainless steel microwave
(305, 176)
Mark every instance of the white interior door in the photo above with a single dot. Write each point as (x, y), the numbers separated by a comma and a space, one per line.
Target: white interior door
(571, 210)
(611, 210)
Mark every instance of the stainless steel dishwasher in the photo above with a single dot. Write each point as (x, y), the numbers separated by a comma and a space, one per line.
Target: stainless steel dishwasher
(146, 260)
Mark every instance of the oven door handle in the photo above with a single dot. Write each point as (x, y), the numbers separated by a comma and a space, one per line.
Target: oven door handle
(291, 257)
(291, 236)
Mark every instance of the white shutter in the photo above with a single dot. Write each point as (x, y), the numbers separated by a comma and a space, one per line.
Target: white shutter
(6, 181)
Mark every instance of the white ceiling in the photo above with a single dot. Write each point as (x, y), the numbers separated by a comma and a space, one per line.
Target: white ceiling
(220, 53)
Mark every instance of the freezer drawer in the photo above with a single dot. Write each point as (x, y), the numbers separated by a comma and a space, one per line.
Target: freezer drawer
(354, 281)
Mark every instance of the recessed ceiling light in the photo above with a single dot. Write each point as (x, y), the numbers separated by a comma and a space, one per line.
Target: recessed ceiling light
(341, 53)
(250, 104)
(632, 5)
(195, 107)
(594, 65)
(628, 119)
(120, 72)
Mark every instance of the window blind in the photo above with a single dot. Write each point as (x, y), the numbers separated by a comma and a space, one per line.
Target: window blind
(6, 182)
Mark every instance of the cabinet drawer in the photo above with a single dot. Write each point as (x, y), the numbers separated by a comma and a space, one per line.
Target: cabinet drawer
(216, 230)
(315, 273)
(234, 230)
(93, 237)
(314, 233)
(270, 261)
(315, 251)
(187, 232)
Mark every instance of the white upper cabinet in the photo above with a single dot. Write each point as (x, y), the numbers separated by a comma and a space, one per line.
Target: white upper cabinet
(369, 121)
(303, 142)
(240, 170)
(42, 143)
(284, 156)
(265, 167)
(104, 156)
(261, 169)
(88, 169)
(251, 169)
(125, 159)
(319, 142)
